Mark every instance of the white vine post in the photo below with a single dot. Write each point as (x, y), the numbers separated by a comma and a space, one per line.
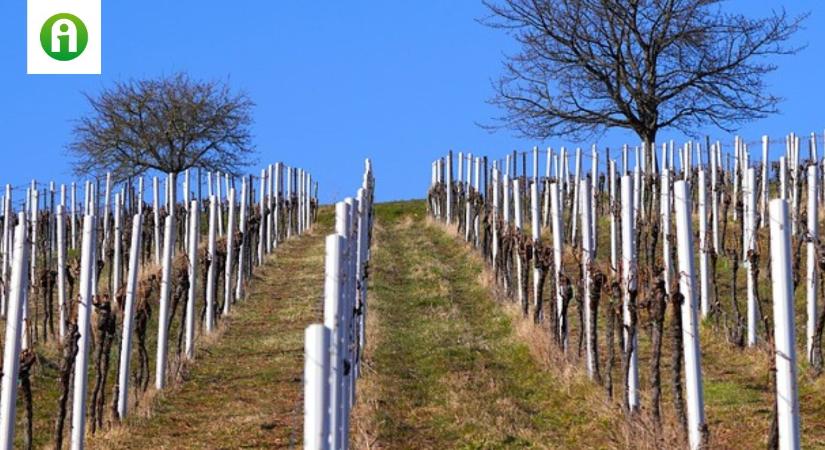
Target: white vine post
(35, 196)
(118, 249)
(764, 203)
(637, 188)
(210, 273)
(262, 221)
(506, 206)
(821, 166)
(11, 352)
(467, 191)
(795, 185)
(704, 288)
(305, 202)
(278, 190)
(165, 286)
(345, 227)
(185, 218)
(433, 183)
(289, 177)
(787, 401)
(614, 224)
(821, 169)
(156, 200)
(812, 276)
(546, 205)
(449, 187)
(61, 270)
(750, 245)
(576, 195)
(128, 318)
(536, 231)
(299, 191)
(459, 185)
(714, 195)
(51, 230)
(587, 258)
(519, 226)
(106, 199)
(139, 199)
(690, 328)
(84, 313)
(333, 310)
(558, 242)
(193, 278)
(665, 211)
(355, 236)
(476, 187)
(269, 209)
(219, 199)
(625, 166)
(244, 238)
(364, 208)
(639, 201)
(74, 215)
(736, 177)
(316, 387)
(230, 239)
(594, 187)
(8, 242)
(629, 267)
(564, 177)
(496, 214)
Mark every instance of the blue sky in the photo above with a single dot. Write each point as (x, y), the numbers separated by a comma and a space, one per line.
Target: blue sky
(334, 82)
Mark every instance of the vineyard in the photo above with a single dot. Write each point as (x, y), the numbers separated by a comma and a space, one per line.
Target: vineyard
(680, 291)
(668, 303)
(107, 301)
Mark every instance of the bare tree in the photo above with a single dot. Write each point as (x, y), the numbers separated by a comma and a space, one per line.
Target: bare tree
(588, 65)
(168, 124)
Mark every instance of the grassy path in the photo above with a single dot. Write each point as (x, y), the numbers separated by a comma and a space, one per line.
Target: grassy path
(446, 366)
(245, 390)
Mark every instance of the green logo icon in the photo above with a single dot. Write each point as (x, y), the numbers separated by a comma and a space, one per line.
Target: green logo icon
(64, 37)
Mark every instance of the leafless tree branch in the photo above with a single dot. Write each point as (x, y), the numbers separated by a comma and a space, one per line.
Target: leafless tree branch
(168, 124)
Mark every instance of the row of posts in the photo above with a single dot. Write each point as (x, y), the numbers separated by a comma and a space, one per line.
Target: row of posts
(457, 200)
(333, 350)
(293, 208)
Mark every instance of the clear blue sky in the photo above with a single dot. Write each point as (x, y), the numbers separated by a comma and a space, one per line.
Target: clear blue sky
(334, 82)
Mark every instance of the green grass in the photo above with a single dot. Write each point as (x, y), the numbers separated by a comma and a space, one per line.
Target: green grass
(245, 387)
(447, 367)
(45, 371)
(738, 395)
